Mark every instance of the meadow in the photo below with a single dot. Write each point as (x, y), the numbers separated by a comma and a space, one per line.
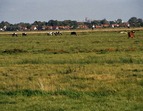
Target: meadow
(94, 71)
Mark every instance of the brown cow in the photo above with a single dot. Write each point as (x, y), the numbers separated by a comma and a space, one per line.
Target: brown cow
(131, 34)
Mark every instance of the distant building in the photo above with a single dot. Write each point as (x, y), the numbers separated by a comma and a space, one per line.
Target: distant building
(1, 29)
(83, 27)
(115, 25)
(33, 27)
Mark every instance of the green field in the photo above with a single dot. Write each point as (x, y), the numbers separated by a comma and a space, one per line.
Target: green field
(94, 71)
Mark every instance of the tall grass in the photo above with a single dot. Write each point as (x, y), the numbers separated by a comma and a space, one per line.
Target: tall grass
(92, 71)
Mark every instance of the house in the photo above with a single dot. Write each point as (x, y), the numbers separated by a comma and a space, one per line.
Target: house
(33, 27)
(114, 25)
(105, 25)
(83, 27)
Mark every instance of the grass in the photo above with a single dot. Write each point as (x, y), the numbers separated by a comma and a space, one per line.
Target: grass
(95, 71)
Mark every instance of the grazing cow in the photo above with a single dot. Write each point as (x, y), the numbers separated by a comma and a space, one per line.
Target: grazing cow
(14, 34)
(131, 34)
(24, 34)
(50, 33)
(54, 33)
(73, 33)
(57, 33)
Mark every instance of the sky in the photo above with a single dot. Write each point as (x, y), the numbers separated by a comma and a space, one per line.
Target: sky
(28, 11)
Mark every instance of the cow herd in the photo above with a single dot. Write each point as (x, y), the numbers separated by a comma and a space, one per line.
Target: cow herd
(54, 33)
(16, 35)
(130, 34)
(48, 33)
(59, 33)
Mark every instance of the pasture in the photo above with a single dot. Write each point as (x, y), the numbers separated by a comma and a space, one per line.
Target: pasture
(93, 71)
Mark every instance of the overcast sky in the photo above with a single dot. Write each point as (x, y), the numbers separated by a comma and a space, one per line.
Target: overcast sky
(15, 11)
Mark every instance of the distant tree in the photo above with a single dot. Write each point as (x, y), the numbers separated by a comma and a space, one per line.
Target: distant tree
(96, 22)
(119, 21)
(66, 22)
(140, 22)
(104, 21)
(133, 21)
(112, 22)
(52, 23)
(73, 24)
(22, 26)
(12, 27)
(39, 24)
(4, 25)
(88, 24)
(28, 25)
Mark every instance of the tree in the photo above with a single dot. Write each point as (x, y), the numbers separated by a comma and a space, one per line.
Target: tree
(104, 21)
(140, 22)
(96, 22)
(112, 22)
(133, 21)
(4, 25)
(52, 23)
(119, 21)
(12, 27)
(73, 24)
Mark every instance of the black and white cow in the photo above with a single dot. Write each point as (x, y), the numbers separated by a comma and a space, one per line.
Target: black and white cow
(14, 34)
(57, 33)
(54, 33)
(24, 34)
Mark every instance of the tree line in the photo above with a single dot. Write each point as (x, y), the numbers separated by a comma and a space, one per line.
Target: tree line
(6, 26)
